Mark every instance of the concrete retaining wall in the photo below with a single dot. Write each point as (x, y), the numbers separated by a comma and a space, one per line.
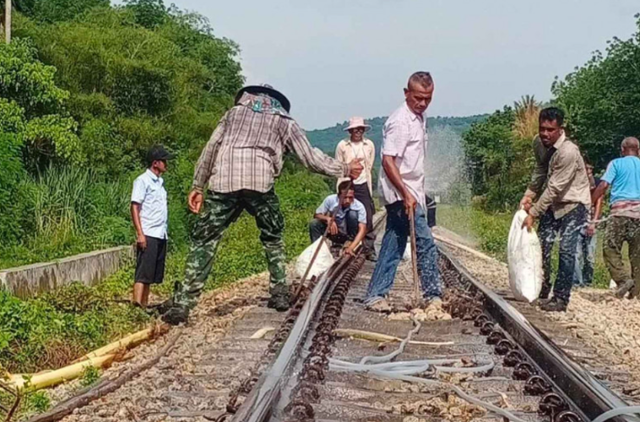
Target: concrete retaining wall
(88, 268)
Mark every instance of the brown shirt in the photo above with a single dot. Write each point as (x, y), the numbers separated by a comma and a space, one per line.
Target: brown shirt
(247, 147)
(562, 169)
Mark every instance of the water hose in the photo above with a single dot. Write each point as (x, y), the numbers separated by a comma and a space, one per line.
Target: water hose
(404, 371)
(628, 410)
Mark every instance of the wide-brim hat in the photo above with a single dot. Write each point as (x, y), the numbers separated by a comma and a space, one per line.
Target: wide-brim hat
(265, 89)
(355, 122)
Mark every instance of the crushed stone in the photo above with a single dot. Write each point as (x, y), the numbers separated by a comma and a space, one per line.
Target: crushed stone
(594, 316)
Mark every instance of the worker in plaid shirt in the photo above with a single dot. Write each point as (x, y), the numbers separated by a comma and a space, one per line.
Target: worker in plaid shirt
(238, 167)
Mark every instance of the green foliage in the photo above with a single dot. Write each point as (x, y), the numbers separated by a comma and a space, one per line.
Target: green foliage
(63, 211)
(148, 13)
(32, 108)
(82, 98)
(90, 375)
(499, 164)
(50, 331)
(38, 401)
(56, 10)
(602, 97)
(132, 85)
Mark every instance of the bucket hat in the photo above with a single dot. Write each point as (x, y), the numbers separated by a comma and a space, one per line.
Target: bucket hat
(355, 122)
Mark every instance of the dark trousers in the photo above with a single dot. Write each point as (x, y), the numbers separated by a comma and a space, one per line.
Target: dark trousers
(347, 229)
(568, 229)
(431, 212)
(363, 195)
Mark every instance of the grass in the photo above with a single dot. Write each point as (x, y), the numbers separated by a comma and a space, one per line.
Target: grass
(66, 211)
(51, 330)
(491, 230)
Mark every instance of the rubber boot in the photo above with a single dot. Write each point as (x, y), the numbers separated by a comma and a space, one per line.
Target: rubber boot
(176, 315)
(555, 305)
(280, 297)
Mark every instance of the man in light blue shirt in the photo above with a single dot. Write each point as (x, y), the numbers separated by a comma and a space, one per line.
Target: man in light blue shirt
(149, 215)
(623, 176)
(345, 216)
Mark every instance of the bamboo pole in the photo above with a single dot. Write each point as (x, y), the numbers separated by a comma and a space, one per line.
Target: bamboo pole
(124, 343)
(59, 376)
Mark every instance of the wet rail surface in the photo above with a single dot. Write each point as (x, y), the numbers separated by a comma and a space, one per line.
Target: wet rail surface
(532, 378)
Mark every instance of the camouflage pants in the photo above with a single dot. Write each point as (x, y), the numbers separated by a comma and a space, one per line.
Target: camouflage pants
(618, 231)
(220, 210)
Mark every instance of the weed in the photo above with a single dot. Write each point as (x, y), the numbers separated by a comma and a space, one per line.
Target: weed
(90, 375)
(37, 401)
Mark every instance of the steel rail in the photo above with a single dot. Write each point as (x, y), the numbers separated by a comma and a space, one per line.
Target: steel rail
(266, 393)
(578, 385)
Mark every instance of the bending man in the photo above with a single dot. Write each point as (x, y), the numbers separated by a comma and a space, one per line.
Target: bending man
(359, 147)
(239, 166)
(623, 176)
(561, 187)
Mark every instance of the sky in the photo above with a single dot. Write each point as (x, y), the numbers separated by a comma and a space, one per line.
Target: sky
(334, 59)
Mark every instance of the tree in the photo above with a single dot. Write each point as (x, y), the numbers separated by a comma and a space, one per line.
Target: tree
(32, 107)
(602, 99)
(527, 111)
(499, 164)
(56, 10)
(148, 13)
(132, 87)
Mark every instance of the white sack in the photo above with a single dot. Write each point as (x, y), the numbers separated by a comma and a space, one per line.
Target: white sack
(323, 261)
(612, 285)
(407, 251)
(524, 255)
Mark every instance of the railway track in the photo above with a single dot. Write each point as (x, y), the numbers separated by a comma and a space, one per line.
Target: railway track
(484, 360)
(487, 353)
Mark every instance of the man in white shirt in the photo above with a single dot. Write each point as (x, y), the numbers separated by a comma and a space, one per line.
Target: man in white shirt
(357, 147)
(345, 215)
(149, 215)
(402, 189)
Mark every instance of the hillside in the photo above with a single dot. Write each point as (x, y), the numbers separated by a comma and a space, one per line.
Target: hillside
(327, 139)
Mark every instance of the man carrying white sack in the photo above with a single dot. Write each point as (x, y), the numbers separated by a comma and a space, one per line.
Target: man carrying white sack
(562, 206)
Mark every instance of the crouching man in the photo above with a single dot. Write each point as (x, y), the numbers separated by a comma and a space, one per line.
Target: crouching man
(345, 216)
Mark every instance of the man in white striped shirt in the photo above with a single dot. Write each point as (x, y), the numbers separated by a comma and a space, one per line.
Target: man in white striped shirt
(402, 188)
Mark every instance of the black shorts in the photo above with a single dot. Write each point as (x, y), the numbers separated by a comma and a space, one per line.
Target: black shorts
(150, 262)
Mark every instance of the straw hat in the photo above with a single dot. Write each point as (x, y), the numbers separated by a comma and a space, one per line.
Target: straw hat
(355, 122)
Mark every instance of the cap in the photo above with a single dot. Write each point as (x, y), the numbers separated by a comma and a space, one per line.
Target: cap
(158, 152)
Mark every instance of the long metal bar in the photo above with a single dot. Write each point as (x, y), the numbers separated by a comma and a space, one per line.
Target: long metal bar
(260, 402)
(266, 393)
(414, 260)
(585, 391)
